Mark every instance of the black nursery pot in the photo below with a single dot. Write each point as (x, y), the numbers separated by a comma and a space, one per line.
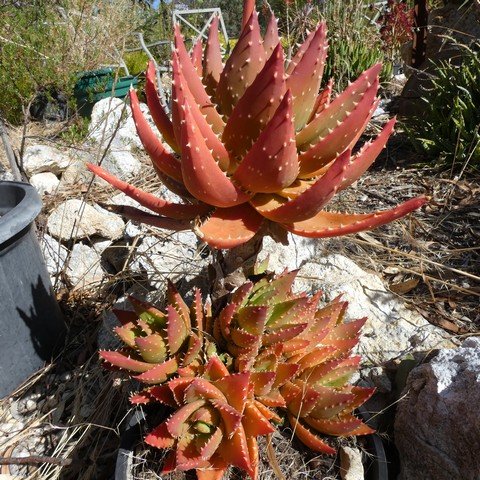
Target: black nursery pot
(31, 323)
(376, 466)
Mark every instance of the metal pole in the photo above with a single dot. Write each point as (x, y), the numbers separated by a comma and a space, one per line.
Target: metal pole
(161, 91)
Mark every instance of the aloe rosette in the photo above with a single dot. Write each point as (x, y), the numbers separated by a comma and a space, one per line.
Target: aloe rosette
(230, 378)
(214, 424)
(298, 355)
(256, 140)
(156, 344)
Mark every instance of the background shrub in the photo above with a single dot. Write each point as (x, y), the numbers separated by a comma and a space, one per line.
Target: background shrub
(44, 44)
(448, 130)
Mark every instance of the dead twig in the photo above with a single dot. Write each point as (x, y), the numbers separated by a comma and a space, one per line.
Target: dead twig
(35, 460)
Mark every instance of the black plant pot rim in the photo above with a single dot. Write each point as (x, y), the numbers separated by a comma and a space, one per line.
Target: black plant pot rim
(23, 212)
(377, 466)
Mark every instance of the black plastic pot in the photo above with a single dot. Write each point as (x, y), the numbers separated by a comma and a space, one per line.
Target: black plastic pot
(31, 323)
(376, 466)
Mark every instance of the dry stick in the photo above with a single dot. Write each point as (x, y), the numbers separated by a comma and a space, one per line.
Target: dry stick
(9, 152)
(415, 257)
(34, 460)
(272, 459)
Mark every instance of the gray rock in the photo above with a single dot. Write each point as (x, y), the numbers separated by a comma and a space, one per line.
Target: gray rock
(54, 254)
(84, 269)
(110, 113)
(122, 164)
(391, 330)
(5, 175)
(44, 158)
(170, 256)
(76, 219)
(437, 426)
(292, 256)
(77, 172)
(351, 465)
(45, 182)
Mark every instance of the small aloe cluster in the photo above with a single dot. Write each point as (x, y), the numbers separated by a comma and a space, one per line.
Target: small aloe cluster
(256, 140)
(228, 377)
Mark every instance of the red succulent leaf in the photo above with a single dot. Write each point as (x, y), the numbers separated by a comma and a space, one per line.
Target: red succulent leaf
(201, 389)
(161, 159)
(150, 201)
(235, 389)
(367, 155)
(308, 203)
(283, 334)
(181, 97)
(212, 65)
(196, 56)
(215, 369)
(285, 372)
(308, 438)
(272, 162)
(254, 422)
(195, 85)
(201, 174)
(338, 110)
(211, 444)
(194, 348)
(252, 319)
(140, 216)
(177, 330)
(188, 456)
(176, 300)
(331, 224)
(160, 437)
(248, 9)
(231, 418)
(126, 333)
(305, 74)
(159, 373)
(162, 394)
(335, 372)
(271, 39)
(235, 451)
(343, 426)
(256, 107)
(267, 412)
(123, 361)
(159, 116)
(230, 227)
(342, 136)
(243, 65)
(322, 101)
(262, 382)
(152, 348)
(176, 424)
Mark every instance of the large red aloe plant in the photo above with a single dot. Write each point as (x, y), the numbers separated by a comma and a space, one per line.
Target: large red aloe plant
(229, 377)
(256, 141)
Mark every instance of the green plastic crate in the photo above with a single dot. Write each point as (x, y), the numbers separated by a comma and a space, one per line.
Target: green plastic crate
(95, 85)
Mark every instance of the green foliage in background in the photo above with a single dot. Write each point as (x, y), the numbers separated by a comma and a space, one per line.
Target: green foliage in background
(44, 44)
(449, 128)
(136, 62)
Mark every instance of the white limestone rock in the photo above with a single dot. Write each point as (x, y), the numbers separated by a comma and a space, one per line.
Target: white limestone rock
(75, 219)
(292, 256)
(84, 269)
(437, 425)
(391, 330)
(172, 256)
(109, 113)
(54, 253)
(45, 183)
(122, 163)
(44, 158)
